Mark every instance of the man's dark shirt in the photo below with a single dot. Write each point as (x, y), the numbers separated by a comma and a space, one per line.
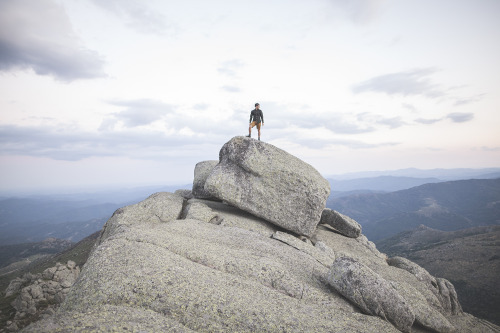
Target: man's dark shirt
(257, 116)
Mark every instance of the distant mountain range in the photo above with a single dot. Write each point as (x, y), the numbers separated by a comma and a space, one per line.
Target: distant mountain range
(66, 216)
(469, 258)
(442, 174)
(445, 206)
(72, 216)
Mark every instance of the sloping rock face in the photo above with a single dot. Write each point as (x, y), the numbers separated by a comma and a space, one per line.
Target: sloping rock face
(189, 275)
(155, 270)
(181, 264)
(269, 183)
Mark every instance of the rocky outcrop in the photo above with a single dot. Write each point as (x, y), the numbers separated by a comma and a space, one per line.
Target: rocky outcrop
(181, 264)
(201, 172)
(370, 292)
(192, 275)
(341, 223)
(40, 294)
(269, 183)
(442, 288)
(425, 315)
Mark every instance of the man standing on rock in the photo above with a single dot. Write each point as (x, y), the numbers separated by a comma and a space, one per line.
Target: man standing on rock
(258, 118)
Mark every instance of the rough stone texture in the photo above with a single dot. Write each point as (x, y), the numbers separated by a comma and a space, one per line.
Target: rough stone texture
(109, 318)
(230, 216)
(199, 211)
(305, 247)
(373, 294)
(270, 183)
(424, 314)
(160, 207)
(419, 272)
(201, 172)
(199, 276)
(156, 270)
(448, 297)
(186, 194)
(442, 288)
(326, 249)
(341, 223)
(40, 294)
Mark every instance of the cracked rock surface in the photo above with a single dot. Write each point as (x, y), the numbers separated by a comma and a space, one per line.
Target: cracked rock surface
(166, 264)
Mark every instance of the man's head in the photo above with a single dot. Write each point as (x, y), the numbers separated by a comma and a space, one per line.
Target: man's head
(257, 105)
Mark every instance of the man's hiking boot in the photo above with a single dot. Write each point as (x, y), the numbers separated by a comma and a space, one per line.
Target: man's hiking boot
(248, 136)
(259, 138)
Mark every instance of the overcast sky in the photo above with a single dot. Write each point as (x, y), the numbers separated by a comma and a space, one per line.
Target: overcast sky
(130, 92)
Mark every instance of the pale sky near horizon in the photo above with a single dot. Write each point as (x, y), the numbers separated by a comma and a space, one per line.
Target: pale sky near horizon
(130, 92)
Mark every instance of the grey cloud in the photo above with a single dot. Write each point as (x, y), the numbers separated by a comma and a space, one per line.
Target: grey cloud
(197, 119)
(394, 122)
(139, 112)
(37, 34)
(369, 118)
(230, 67)
(76, 144)
(414, 82)
(458, 117)
(465, 101)
(138, 16)
(321, 143)
(409, 107)
(427, 121)
(285, 116)
(231, 89)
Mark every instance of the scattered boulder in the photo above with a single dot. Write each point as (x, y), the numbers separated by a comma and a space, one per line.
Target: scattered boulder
(341, 223)
(14, 286)
(425, 315)
(420, 273)
(270, 183)
(442, 288)
(40, 294)
(370, 292)
(448, 297)
(201, 172)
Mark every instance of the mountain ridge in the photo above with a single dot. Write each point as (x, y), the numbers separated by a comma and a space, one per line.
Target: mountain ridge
(446, 206)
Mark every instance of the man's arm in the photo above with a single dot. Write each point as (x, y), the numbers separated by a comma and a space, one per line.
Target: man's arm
(262, 116)
(250, 117)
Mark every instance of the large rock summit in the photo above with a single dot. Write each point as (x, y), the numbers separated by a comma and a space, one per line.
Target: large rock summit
(251, 253)
(270, 183)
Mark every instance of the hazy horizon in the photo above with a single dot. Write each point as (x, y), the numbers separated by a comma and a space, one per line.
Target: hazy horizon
(439, 173)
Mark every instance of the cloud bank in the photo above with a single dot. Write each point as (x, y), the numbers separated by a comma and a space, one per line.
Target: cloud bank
(415, 82)
(37, 35)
